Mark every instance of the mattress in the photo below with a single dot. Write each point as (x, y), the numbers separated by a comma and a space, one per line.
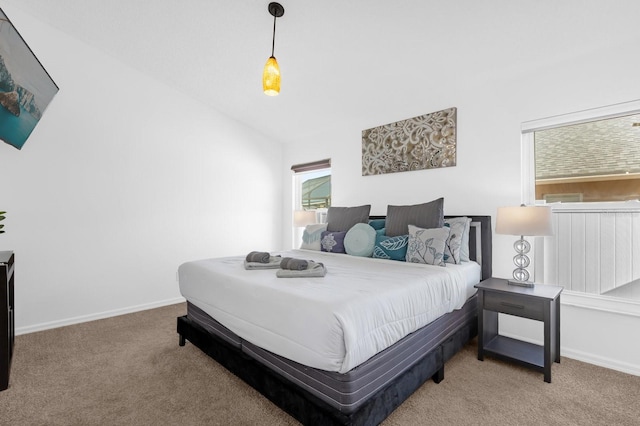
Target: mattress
(347, 392)
(335, 323)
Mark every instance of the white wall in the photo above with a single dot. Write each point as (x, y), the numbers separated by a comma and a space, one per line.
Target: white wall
(491, 109)
(123, 179)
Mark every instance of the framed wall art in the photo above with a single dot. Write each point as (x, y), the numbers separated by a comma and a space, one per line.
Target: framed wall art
(26, 89)
(424, 142)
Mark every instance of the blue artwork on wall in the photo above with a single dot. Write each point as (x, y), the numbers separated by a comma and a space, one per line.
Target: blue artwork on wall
(26, 89)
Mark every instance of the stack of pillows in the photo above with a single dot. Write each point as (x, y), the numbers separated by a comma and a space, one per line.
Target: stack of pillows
(418, 233)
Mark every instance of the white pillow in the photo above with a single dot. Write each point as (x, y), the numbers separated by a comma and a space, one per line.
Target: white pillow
(312, 235)
(464, 251)
(456, 249)
(427, 245)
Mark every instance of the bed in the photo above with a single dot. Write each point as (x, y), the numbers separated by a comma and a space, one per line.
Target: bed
(360, 383)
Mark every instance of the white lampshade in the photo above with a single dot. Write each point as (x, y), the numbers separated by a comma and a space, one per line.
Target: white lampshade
(534, 221)
(302, 218)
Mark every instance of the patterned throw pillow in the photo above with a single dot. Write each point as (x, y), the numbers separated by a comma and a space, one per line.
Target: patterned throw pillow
(333, 242)
(312, 235)
(394, 248)
(458, 242)
(427, 245)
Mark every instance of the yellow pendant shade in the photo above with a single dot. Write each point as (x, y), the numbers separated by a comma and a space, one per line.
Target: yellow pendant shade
(271, 77)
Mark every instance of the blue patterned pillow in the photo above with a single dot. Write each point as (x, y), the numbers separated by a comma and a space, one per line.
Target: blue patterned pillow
(333, 241)
(427, 245)
(394, 248)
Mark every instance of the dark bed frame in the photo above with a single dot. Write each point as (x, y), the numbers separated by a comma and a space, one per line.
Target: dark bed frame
(310, 410)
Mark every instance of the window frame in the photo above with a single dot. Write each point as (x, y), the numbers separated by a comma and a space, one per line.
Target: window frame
(299, 171)
(527, 152)
(527, 156)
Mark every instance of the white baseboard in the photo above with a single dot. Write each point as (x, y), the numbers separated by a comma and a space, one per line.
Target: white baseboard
(97, 316)
(602, 362)
(586, 357)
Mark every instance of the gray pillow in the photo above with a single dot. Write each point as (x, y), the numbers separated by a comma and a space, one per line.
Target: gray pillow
(427, 215)
(343, 218)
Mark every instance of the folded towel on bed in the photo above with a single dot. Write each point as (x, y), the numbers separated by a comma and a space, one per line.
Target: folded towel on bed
(258, 256)
(273, 263)
(294, 264)
(313, 270)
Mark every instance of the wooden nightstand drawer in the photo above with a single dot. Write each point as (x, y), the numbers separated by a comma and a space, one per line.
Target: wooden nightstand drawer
(514, 304)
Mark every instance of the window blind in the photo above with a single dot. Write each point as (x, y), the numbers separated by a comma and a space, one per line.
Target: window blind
(314, 165)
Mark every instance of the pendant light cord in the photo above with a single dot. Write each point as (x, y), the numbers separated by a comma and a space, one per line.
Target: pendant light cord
(273, 40)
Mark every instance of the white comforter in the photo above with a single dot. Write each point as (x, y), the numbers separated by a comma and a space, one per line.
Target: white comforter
(334, 323)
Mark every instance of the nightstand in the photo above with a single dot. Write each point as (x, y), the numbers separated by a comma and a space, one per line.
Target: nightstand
(541, 303)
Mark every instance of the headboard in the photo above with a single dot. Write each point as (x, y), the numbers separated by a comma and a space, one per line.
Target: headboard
(480, 245)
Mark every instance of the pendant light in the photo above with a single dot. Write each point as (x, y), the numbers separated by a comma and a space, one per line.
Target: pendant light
(271, 73)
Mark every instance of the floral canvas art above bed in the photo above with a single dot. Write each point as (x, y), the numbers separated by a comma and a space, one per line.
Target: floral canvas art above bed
(424, 142)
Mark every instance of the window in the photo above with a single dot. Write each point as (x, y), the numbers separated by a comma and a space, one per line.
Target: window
(587, 162)
(312, 186)
(587, 156)
(315, 190)
(588, 165)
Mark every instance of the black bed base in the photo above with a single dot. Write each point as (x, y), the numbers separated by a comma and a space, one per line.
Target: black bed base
(307, 408)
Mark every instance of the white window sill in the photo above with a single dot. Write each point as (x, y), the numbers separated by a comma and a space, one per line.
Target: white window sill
(601, 303)
(631, 206)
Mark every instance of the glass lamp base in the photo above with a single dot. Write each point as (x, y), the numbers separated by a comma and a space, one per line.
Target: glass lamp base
(520, 274)
(521, 283)
(521, 260)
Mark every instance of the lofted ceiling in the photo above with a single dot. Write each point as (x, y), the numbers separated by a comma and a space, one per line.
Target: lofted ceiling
(367, 62)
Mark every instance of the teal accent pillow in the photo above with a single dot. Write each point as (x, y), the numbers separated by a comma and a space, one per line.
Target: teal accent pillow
(360, 240)
(377, 224)
(394, 248)
(427, 245)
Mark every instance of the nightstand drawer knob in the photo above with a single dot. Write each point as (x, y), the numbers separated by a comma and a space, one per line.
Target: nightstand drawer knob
(512, 305)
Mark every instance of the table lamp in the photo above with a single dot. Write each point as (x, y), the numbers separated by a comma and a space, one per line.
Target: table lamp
(302, 218)
(532, 221)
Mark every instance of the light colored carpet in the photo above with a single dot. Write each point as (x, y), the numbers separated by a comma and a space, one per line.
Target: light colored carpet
(129, 370)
